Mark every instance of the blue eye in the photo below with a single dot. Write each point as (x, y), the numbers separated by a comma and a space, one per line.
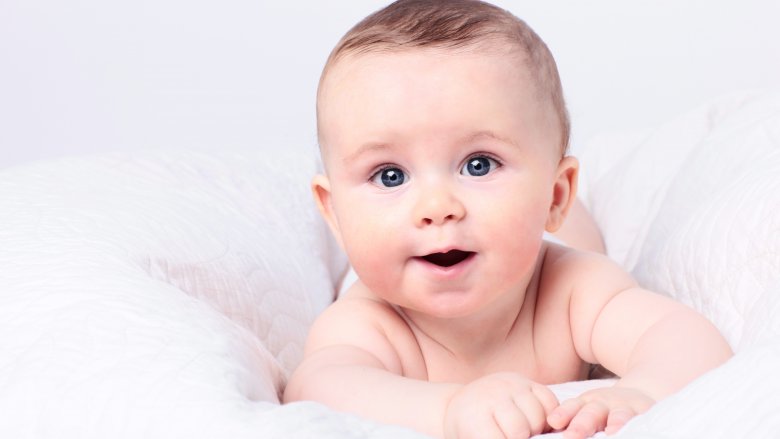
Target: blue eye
(389, 177)
(478, 166)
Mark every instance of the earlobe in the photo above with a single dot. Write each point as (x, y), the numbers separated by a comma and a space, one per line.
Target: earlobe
(320, 186)
(564, 192)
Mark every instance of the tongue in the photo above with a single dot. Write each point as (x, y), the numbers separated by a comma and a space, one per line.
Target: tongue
(448, 259)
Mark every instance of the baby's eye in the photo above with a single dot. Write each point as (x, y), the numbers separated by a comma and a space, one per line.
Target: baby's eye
(478, 166)
(389, 177)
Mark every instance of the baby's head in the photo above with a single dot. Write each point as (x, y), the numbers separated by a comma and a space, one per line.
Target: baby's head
(453, 26)
(443, 133)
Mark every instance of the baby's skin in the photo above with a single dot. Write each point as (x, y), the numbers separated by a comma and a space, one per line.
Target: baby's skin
(443, 134)
(443, 171)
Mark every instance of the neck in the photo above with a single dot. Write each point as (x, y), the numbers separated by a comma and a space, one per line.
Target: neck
(472, 338)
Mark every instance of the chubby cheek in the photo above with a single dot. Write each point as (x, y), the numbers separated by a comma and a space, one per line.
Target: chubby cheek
(513, 234)
(374, 242)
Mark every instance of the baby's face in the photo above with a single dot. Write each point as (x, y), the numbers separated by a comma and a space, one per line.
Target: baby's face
(441, 170)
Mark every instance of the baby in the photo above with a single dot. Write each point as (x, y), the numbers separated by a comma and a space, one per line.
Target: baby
(444, 133)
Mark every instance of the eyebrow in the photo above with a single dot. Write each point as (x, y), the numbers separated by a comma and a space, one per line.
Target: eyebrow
(490, 135)
(378, 146)
(365, 148)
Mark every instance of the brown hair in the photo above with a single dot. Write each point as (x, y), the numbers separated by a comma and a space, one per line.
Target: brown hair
(454, 24)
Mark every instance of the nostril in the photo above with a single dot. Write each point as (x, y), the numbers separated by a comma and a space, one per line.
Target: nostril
(429, 221)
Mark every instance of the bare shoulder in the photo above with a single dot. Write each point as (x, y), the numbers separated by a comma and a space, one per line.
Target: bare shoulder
(577, 271)
(355, 334)
(608, 311)
(361, 321)
(583, 282)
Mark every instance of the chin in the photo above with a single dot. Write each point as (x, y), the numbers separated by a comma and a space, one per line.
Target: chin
(451, 305)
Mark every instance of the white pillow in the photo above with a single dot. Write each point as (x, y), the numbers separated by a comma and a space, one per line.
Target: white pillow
(117, 270)
(693, 209)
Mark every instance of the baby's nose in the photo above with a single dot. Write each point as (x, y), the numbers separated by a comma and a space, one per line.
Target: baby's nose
(438, 206)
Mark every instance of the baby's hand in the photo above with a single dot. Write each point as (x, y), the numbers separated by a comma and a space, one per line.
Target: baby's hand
(606, 409)
(502, 405)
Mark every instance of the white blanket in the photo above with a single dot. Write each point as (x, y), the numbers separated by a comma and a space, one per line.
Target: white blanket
(168, 295)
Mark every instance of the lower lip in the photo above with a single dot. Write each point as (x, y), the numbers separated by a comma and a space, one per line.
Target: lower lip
(446, 272)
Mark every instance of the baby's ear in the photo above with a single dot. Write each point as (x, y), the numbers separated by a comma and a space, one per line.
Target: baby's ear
(564, 192)
(320, 187)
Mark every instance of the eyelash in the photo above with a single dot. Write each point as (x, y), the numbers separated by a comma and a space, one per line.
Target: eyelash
(489, 157)
(483, 155)
(379, 170)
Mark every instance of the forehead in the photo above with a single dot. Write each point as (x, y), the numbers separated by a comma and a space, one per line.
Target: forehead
(428, 87)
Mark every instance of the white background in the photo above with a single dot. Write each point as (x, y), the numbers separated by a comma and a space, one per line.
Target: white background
(86, 76)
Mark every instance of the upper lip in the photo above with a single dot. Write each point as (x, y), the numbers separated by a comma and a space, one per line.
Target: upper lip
(445, 250)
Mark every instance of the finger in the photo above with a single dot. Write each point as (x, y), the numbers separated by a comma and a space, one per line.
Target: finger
(481, 426)
(546, 397)
(533, 412)
(563, 414)
(590, 419)
(511, 420)
(617, 418)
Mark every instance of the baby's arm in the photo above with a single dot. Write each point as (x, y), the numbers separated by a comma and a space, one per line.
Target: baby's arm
(350, 365)
(654, 344)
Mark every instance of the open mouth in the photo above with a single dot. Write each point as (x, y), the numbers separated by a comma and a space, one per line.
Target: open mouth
(449, 258)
